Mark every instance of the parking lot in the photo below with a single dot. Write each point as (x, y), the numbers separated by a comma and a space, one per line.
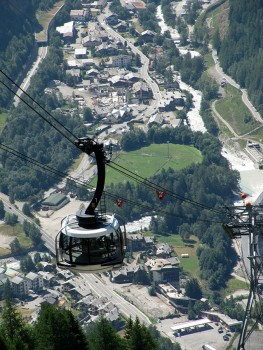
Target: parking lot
(195, 339)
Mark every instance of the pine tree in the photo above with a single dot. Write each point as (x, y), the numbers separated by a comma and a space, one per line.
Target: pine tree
(138, 337)
(102, 336)
(16, 335)
(57, 329)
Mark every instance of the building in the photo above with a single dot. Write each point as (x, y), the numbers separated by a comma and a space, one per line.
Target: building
(112, 19)
(35, 281)
(175, 296)
(79, 15)
(80, 53)
(163, 250)
(91, 41)
(122, 26)
(48, 278)
(225, 320)
(122, 61)
(164, 271)
(123, 275)
(255, 152)
(156, 119)
(195, 325)
(105, 49)
(19, 286)
(142, 91)
(170, 101)
(55, 201)
(147, 35)
(67, 31)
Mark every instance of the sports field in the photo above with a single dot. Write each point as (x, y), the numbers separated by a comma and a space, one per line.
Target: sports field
(150, 160)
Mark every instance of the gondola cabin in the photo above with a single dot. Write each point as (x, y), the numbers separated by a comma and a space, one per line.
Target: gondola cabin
(91, 241)
(96, 248)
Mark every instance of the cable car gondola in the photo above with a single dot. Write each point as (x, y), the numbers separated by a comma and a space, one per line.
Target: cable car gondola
(91, 241)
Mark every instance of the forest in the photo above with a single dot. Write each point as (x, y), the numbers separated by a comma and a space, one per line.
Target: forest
(240, 50)
(26, 132)
(57, 329)
(210, 184)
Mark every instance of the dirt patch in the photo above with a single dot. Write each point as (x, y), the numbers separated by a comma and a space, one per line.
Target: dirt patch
(153, 306)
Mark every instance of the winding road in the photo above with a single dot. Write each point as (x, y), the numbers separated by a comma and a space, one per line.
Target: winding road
(42, 52)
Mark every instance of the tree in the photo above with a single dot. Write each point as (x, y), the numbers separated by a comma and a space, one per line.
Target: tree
(26, 209)
(2, 210)
(11, 219)
(217, 40)
(193, 289)
(15, 246)
(16, 334)
(87, 114)
(102, 335)
(27, 264)
(138, 337)
(184, 231)
(57, 329)
(32, 231)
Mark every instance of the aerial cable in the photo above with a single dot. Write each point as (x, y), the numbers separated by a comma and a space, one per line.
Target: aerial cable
(31, 98)
(139, 179)
(83, 184)
(125, 171)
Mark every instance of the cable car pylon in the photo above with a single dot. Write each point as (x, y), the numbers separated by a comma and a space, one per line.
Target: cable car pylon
(248, 223)
(91, 240)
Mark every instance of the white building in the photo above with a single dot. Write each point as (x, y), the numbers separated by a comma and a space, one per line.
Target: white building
(81, 52)
(35, 281)
(121, 61)
(19, 286)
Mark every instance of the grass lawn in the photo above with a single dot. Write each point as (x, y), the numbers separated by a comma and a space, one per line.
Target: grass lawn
(219, 19)
(233, 285)
(209, 62)
(150, 160)
(257, 135)
(233, 110)
(190, 265)
(3, 117)
(44, 18)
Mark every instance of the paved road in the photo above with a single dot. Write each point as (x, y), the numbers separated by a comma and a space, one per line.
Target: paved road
(232, 82)
(126, 308)
(42, 52)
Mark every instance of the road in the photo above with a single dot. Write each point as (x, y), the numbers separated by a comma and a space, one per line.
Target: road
(232, 82)
(157, 96)
(42, 52)
(125, 307)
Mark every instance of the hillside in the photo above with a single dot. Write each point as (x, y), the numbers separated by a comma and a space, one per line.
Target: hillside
(240, 51)
(13, 21)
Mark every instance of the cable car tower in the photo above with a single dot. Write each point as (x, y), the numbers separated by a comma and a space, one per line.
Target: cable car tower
(91, 240)
(248, 226)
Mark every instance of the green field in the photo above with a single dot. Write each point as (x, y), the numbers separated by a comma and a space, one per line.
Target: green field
(45, 17)
(150, 160)
(3, 117)
(190, 265)
(233, 110)
(233, 285)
